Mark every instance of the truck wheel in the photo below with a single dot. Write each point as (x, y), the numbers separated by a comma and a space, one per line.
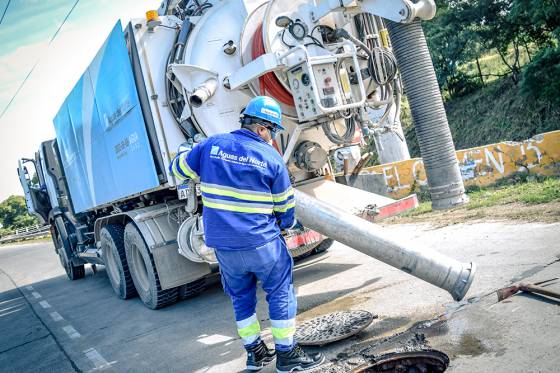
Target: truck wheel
(143, 271)
(73, 272)
(114, 257)
(324, 246)
(192, 289)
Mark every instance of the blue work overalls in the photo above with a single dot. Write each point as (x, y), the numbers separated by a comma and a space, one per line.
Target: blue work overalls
(248, 199)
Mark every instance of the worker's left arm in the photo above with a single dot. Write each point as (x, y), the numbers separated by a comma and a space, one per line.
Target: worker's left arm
(187, 164)
(283, 197)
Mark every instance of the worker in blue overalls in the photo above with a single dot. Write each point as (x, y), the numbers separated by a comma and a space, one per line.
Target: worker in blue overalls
(248, 199)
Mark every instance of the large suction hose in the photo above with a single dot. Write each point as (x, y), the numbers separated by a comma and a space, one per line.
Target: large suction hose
(368, 238)
(430, 121)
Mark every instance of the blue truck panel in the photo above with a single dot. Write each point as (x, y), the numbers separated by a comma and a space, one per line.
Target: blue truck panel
(101, 132)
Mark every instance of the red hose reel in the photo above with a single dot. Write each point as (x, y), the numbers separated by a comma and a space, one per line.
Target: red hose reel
(269, 83)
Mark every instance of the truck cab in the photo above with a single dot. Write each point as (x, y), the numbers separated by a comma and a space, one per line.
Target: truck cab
(33, 179)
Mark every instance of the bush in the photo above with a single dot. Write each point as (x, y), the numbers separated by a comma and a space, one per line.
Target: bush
(541, 78)
(461, 84)
(13, 213)
(5, 232)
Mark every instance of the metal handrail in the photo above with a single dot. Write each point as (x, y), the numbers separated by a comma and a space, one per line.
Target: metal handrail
(26, 233)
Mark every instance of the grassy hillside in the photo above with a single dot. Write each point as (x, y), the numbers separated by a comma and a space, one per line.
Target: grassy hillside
(494, 113)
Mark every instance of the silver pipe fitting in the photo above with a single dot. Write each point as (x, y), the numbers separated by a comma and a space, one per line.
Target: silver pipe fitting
(368, 238)
(423, 9)
(203, 92)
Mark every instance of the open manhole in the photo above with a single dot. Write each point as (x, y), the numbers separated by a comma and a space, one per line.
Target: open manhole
(430, 361)
(332, 327)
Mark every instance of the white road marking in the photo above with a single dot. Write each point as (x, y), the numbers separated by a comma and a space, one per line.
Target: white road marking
(30, 288)
(214, 339)
(96, 358)
(9, 300)
(11, 310)
(45, 304)
(72, 333)
(36, 295)
(56, 316)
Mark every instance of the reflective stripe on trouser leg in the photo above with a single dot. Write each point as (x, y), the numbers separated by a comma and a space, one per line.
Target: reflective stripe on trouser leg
(249, 329)
(283, 332)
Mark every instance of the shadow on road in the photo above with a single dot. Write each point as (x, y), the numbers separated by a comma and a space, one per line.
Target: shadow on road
(197, 334)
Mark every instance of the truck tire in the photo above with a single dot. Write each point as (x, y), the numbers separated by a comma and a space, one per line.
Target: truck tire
(114, 257)
(73, 272)
(192, 289)
(144, 272)
(324, 246)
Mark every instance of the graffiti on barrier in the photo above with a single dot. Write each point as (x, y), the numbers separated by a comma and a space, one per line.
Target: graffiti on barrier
(482, 165)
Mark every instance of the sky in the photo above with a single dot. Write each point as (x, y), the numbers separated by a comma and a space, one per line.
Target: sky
(26, 40)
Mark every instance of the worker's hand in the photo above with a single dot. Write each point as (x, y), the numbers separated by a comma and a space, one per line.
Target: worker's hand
(297, 225)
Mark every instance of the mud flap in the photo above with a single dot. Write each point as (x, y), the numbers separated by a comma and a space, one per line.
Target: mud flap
(174, 269)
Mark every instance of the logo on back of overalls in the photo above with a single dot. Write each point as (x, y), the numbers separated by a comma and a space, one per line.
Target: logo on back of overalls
(215, 149)
(216, 153)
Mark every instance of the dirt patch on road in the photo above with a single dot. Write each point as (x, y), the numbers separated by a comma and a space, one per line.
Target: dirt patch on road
(545, 213)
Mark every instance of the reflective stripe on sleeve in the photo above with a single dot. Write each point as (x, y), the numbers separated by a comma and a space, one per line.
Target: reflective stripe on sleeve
(285, 207)
(280, 197)
(184, 166)
(176, 170)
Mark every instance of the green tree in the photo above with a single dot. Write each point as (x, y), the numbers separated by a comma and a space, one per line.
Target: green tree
(453, 41)
(499, 31)
(539, 18)
(541, 78)
(13, 213)
(463, 31)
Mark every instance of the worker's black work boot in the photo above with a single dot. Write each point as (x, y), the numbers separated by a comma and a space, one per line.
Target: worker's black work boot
(297, 360)
(259, 356)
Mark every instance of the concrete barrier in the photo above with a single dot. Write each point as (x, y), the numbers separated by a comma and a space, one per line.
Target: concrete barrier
(483, 165)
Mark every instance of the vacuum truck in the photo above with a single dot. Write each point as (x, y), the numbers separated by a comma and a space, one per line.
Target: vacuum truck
(184, 72)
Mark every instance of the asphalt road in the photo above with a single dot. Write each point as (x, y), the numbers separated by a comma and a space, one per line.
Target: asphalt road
(49, 323)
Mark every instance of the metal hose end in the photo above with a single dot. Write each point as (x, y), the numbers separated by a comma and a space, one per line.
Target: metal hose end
(423, 9)
(203, 92)
(464, 282)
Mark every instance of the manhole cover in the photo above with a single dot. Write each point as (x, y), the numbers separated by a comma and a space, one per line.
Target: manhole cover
(332, 327)
(430, 361)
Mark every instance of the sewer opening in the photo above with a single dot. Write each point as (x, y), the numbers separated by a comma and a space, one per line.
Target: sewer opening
(431, 361)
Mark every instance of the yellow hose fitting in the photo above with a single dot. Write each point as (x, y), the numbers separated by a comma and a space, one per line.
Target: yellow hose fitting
(384, 34)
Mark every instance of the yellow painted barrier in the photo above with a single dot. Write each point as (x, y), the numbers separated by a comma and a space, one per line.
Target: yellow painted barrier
(483, 165)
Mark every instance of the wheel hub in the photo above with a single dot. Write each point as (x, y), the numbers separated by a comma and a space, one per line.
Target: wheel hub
(140, 266)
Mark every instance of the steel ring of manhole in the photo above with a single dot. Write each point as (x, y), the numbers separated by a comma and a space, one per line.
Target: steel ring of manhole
(428, 361)
(332, 327)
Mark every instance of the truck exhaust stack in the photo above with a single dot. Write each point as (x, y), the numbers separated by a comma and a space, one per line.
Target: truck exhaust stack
(368, 238)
